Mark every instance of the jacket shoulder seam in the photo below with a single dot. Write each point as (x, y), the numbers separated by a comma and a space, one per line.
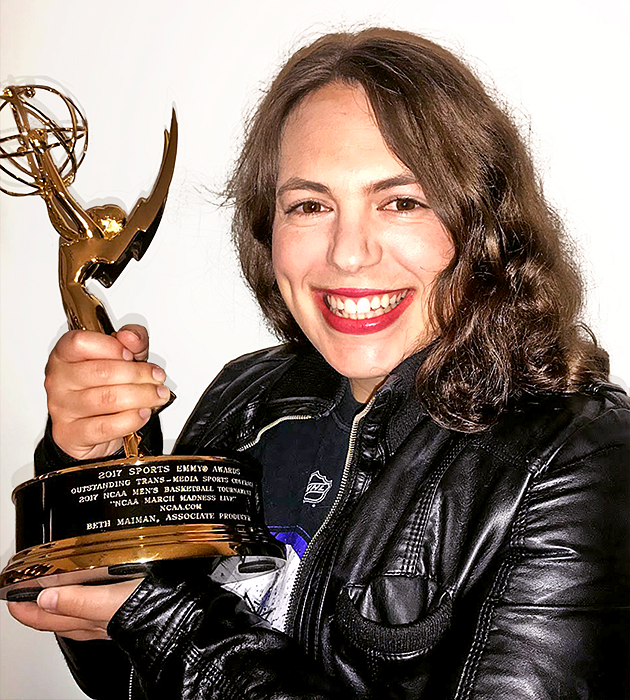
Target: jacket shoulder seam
(542, 463)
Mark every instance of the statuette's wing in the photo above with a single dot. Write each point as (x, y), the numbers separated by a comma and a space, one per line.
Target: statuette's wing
(142, 223)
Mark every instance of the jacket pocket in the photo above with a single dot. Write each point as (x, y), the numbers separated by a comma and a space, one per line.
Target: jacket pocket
(417, 637)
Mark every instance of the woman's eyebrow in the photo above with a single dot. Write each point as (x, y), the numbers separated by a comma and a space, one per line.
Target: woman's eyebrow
(406, 178)
(298, 183)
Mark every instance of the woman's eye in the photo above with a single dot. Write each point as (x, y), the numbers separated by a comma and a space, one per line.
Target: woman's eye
(308, 207)
(406, 204)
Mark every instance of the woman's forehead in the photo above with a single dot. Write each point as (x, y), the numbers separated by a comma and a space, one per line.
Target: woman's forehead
(335, 128)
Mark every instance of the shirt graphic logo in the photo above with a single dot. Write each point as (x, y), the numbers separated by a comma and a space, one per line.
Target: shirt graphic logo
(317, 488)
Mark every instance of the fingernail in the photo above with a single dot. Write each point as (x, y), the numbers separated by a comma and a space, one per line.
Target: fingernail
(47, 600)
(163, 392)
(145, 413)
(127, 354)
(158, 374)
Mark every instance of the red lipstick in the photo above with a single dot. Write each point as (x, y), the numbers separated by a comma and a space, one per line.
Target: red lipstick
(364, 326)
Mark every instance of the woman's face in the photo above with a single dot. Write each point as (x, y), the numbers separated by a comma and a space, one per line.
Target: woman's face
(356, 248)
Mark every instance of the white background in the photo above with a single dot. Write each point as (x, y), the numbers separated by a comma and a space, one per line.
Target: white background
(561, 64)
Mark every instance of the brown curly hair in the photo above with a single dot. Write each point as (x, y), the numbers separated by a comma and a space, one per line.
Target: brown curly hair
(505, 311)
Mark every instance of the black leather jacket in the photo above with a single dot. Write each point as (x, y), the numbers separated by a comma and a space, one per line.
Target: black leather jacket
(452, 565)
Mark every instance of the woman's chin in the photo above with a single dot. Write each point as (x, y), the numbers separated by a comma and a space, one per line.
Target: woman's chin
(361, 369)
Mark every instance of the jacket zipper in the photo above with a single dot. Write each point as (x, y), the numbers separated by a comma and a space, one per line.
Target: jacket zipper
(262, 431)
(340, 494)
(300, 575)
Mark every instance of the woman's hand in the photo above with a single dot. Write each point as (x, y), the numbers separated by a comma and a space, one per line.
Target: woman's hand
(97, 393)
(76, 612)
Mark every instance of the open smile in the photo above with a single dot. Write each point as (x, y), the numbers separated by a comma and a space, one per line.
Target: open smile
(365, 306)
(362, 311)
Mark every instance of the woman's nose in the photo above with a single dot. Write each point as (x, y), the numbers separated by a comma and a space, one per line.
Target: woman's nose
(354, 243)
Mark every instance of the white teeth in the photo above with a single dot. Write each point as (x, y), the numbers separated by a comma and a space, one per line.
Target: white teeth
(364, 307)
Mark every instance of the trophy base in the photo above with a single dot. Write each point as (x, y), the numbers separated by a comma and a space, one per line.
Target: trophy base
(229, 554)
(111, 521)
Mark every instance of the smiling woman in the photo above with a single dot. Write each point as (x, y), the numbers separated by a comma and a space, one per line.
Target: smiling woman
(356, 248)
(443, 456)
(503, 310)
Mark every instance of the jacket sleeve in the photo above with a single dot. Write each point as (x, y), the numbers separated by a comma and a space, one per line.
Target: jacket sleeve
(99, 667)
(192, 640)
(555, 622)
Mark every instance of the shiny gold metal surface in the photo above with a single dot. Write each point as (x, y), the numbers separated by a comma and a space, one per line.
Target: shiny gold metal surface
(72, 523)
(95, 558)
(95, 243)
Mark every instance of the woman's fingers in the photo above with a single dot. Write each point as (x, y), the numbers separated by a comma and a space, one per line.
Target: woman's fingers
(31, 615)
(100, 436)
(105, 400)
(135, 338)
(130, 343)
(90, 373)
(78, 612)
(91, 423)
(100, 417)
(91, 603)
(78, 346)
(97, 394)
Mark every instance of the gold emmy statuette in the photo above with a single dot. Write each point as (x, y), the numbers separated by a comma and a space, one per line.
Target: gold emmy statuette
(107, 521)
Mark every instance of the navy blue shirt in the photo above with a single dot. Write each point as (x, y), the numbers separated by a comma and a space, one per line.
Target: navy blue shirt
(302, 464)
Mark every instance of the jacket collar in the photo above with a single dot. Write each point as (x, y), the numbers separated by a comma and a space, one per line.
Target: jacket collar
(403, 402)
(310, 385)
